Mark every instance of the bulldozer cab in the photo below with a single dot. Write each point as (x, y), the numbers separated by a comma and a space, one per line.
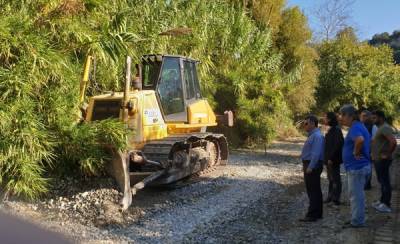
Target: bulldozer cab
(175, 81)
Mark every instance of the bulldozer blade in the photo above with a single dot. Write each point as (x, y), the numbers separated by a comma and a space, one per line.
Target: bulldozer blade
(120, 171)
(140, 185)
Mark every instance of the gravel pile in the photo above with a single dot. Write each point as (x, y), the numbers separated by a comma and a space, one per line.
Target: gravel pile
(89, 207)
(90, 202)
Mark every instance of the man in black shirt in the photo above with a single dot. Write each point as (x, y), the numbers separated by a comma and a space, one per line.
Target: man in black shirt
(333, 157)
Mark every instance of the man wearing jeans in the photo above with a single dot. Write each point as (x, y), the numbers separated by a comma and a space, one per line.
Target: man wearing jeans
(383, 145)
(312, 156)
(366, 119)
(357, 162)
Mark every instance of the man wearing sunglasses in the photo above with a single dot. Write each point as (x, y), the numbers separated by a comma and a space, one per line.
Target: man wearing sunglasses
(312, 156)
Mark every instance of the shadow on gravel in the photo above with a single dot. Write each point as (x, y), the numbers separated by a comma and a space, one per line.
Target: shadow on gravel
(264, 221)
(194, 212)
(257, 158)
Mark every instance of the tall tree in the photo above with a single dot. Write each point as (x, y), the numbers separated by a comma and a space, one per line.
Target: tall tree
(332, 16)
(298, 60)
(355, 72)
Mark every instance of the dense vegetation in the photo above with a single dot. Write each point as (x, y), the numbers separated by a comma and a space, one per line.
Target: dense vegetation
(249, 64)
(256, 59)
(355, 72)
(392, 40)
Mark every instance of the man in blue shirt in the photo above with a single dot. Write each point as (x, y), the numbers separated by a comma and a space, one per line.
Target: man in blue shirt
(357, 163)
(312, 156)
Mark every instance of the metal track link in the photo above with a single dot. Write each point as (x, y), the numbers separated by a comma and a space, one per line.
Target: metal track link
(206, 171)
(196, 177)
(163, 150)
(159, 150)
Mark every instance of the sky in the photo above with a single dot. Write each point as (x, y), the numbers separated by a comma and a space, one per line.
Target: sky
(368, 16)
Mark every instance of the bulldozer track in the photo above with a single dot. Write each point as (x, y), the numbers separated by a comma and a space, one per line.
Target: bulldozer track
(162, 150)
(206, 171)
(195, 178)
(159, 150)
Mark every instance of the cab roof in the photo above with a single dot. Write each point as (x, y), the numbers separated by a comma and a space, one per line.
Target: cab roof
(170, 56)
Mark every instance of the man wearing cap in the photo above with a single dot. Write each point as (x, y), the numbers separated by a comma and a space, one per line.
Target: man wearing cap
(357, 163)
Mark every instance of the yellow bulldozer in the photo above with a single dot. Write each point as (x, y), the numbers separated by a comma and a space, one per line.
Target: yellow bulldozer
(163, 106)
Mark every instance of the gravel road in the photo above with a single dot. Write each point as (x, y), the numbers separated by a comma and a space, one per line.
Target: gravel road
(257, 198)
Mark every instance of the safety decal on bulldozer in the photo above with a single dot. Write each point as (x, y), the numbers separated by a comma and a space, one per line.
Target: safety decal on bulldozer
(152, 116)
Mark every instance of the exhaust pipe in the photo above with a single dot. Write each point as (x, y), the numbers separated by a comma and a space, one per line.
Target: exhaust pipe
(137, 82)
(123, 158)
(127, 89)
(85, 78)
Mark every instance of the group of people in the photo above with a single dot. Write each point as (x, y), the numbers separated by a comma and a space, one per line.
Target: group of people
(369, 143)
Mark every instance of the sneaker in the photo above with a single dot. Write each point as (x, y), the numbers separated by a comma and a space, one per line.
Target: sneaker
(376, 204)
(383, 208)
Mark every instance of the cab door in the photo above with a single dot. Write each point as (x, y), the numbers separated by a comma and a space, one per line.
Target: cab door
(170, 90)
(192, 87)
(198, 110)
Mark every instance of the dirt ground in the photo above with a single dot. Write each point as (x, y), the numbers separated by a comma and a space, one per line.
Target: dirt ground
(257, 198)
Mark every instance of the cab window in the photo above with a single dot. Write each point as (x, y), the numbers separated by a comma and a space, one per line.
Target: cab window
(189, 80)
(151, 70)
(170, 87)
(196, 83)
